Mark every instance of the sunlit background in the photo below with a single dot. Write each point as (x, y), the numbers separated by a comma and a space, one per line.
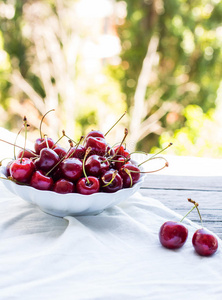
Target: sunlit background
(160, 61)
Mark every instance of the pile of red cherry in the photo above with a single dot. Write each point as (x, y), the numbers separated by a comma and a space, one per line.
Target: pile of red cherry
(89, 168)
(173, 235)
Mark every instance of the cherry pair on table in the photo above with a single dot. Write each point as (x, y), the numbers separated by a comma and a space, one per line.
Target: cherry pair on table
(173, 235)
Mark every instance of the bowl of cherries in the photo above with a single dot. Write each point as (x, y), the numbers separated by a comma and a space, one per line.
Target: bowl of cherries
(84, 179)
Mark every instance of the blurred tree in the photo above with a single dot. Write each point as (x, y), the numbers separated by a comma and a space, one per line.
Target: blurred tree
(65, 55)
(171, 57)
(56, 52)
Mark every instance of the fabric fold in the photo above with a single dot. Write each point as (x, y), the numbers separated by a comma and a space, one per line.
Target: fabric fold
(114, 255)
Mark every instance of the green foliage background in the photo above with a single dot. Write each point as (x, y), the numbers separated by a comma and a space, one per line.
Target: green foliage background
(188, 71)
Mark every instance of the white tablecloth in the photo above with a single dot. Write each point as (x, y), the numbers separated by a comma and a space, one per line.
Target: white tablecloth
(114, 255)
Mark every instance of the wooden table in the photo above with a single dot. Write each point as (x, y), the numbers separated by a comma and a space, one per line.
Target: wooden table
(188, 177)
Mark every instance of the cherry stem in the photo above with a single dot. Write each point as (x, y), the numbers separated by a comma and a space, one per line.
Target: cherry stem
(16, 139)
(166, 165)
(115, 123)
(128, 173)
(108, 152)
(140, 152)
(109, 182)
(125, 135)
(187, 213)
(47, 174)
(115, 160)
(4, 159)
(71, 145)
(159, 157)
(25, 125)
(83, 163)
(55, 166)
(46, 140)
(30, 151)
(196, 205)
(40, 127)
(170, 144)
(63, 134)
(70, 139)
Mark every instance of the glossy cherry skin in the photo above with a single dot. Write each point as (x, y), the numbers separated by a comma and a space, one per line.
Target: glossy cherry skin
(121, 151)
(41, 143)
(71, 168)
(119, 163)
(110, 151)
(56, 174)
(204, 242)
(40, 181)
(173, 235)
(115, 185)
(63, 186)
(85, 188)
(48, 158)
(135, 174)
(77, 152)
(22, 170)
(27, 153)
(96, 165)
(60, 151)
(97, 144)
(95, 133)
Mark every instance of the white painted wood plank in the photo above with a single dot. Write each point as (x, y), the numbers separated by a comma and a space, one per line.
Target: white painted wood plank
(183, 182)
(210, 205)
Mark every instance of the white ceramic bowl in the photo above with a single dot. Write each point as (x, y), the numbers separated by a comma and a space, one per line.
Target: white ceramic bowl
(71, 204)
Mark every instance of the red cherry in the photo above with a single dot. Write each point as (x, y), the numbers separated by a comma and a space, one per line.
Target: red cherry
(119, 163)
(47, 160)
(96, 165)
(98, 145)
(56, 174)
(173, 235)
(41, 143)
(71, 168)
(64, 186)
(110, 151)
(88, 187)
(40, 181)
(77, 152)
(116, 182)
(27, 153)
(121, 151)
(134, 175)
(21, 170)
(60, 151)
(204, 242)
(95, 133)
